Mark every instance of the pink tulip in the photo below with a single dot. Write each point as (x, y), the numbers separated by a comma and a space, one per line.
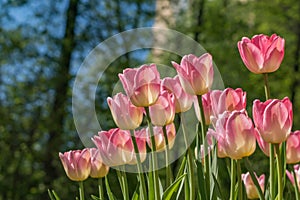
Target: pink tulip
(293, 148)
(297, 173)
(235, 134)
(98, 168)
(206, 103)
(183, 100)
(273, 119)
(160, 142)
(250, 187)
(262, 54)
(125, 114)
(116, 147)
(195, 74)
(77, 164)
(142, 85)
(163, 111)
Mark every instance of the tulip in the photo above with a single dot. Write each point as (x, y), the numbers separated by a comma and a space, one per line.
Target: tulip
(160, 142)
(273, 119)
(125, 114)
(235, 134)
(195, 74)
(77, 164)
(293, 148)
(297, 173)
(262, 54)
(98, 168)
(163, 111)
(206, 104)
(183, 100)
(116, 147)
(250, 187)
(142, 85)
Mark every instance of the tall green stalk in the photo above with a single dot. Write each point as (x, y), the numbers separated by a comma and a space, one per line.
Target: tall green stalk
(153, 155)
(295, 184)
(239, 178)
(232, 179)
(100, 188)
(272, 171)
(81, 190)
(205, 146)
(139, 166)
(190, 181)
(279, 173)
(169, 175)
(123, 182)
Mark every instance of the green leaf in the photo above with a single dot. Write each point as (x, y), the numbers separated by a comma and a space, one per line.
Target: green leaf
(217, 188)
(136, 194)
(182, 167)
(95, 197)
(109, 193)
(150, 185)
(201, 183)
(52, 194)
(167, 195)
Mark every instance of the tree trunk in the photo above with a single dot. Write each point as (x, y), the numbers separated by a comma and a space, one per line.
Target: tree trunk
(58, 112)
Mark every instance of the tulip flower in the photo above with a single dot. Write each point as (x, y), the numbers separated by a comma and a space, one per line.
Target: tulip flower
(235, 134)
(125, 114)
(195, 74)
(163, 111)
(116, 147)
(142, 85)
(77, 164)
(206, 103)
(183, 100)
(293, 148)
(98, 168)
(273, 119)
(250, 187)
(297, 173)
(159, 137)
(262, 54)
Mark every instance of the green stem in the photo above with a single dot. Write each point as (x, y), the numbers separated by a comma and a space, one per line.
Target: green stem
(123, 182)
(279, 173)
(239, 173)
(254, 179)
(232, 178)
(205, 146)
(295, 184)
(190, 181)
(272, 169)
(266, 86)
(169, 175)
(139, 166)
(100, 188)
(154, 158)
(81, 190)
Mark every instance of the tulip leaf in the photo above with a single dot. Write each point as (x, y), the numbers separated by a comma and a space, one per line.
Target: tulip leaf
(95, 197)
(217, 188)
(179, 173)
(202, 190)
(109, 193)
(167, 195)
(136, 194)
(52, 194)
(151, 185)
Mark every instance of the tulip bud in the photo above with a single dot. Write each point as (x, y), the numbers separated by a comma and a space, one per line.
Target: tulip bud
(77, 164)
(250, 186)
(262, 54)
(98, 168)
(293, 148)
(195, 74)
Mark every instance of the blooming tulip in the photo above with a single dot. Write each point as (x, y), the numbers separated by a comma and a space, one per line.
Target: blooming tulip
(250, 187)
(263, 145)
(206, 103)
(297, 173)
(160, 142)
(183, 100)
(77, 164)
(262, 54)
(273, 119)
(142, 85)
(163, 111)
(125, 114)
(98, 168)
(234, 132)
(293, 148)
(116, 147)
(195, 74)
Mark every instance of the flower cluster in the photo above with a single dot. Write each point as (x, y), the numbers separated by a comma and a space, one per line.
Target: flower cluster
(232, 134)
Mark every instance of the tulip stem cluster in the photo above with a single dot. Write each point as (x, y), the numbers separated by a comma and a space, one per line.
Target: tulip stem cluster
(100, 188)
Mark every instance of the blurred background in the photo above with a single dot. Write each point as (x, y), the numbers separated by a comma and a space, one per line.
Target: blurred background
(43, 43)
